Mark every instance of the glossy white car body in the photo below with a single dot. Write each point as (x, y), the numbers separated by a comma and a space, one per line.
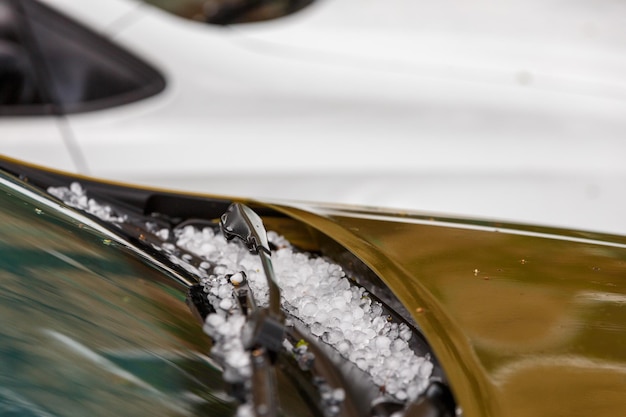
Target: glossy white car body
(512, 110)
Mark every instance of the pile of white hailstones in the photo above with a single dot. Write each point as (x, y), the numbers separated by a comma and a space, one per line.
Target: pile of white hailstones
(313, 290)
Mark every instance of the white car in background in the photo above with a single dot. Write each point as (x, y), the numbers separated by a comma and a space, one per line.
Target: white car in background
(510, 110)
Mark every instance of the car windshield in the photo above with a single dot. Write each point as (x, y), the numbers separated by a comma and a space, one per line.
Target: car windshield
(224, 12)
(100, 332)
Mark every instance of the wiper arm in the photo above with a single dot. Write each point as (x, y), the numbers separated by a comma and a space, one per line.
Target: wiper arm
(264, 333)
(266, 327)
(241, 222)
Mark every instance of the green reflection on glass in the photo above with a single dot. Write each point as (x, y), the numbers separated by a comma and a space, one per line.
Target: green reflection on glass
(88, 329)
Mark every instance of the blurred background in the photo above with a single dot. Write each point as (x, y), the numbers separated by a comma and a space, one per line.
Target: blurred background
(509, 110)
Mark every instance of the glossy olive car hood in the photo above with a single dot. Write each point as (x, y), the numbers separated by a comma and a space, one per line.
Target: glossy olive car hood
(525, 322)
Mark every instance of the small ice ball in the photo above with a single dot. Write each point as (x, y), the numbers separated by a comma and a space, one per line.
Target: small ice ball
(362, 364)
(338, 302)
(359, 338)
(398, 345)
(401, 395)
(369, 333)
(309, 309)
(219, 270)
(245, 410)
(163, 234)
(214, 321)
(356, 354)
(332, 337)
(236, 278)
(378, 324)
(377, 310)
(224, 291)
(321, 315)
(392, 363)
(238, 358)
(357, 313)
(412, 391)
(406, 373)
(207, 248)
(405, 332)
(393, 331)
(392, 386)
(344, 347)
(344, 284)
(382, 343)
(346, 327)
(339, 314)
(317, 329)
(226, 304)
(304, 270)
(76, 188)
(426, 368)
(339, 395)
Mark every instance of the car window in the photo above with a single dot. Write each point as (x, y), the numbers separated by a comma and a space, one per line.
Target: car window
(19, 85)
(50, 63)
(88, 329)
(224, 12)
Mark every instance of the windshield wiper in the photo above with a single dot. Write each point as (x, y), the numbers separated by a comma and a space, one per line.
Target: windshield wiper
(265, 334)
(241, 222)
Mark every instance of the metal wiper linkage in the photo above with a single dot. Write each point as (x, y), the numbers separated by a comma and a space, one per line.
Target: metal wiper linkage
(265, 331)
(240, 221)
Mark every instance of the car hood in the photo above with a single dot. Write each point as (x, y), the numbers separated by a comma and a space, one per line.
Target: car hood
(513, 313)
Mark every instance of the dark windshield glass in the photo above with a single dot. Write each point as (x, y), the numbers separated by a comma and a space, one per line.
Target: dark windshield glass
(224, 12)
(88, 329)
